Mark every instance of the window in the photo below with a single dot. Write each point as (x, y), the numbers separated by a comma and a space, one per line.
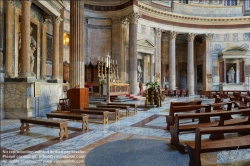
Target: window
(230, 2)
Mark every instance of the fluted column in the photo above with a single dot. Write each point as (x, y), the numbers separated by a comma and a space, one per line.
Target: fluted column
(9, 38)
(25, 40)
(77, 44)
(158, 33)
(44, 47)
(151, 67)
(55, 50)
(172, 61)
(164, 58)
(190, 63)
(207, 62)
(133, 23)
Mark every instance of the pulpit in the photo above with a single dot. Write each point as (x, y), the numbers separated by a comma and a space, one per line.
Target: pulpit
(78, 97)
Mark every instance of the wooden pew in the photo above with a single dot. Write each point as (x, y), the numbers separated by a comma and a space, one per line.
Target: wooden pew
(92, 112)
(84, 118)
(132, 105)
(116, 106)
(177, 128)
(170, 117)
(62, 124)
(110, 110)
(198, 146)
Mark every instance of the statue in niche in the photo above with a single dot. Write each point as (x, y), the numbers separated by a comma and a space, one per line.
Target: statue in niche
(230, 75)
(139, 69)
(32, 50)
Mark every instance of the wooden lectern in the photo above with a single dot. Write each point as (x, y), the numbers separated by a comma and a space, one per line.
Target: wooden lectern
(78, 97)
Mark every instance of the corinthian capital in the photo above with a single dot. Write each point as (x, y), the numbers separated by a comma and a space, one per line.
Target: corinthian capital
(10, 2)
(190, 37)
(56, 19)
(134, 17)
(208, 37)
(172, 34)
(158, 32)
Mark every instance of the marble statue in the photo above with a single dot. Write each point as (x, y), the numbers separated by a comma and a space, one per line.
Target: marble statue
(32, 50)
(139, 72)
(230, 75)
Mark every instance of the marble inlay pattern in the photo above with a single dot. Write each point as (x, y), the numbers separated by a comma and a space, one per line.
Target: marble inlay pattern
(45, 149)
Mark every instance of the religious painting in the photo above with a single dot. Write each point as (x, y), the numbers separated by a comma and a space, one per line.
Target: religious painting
(231, 72)
(199, 74)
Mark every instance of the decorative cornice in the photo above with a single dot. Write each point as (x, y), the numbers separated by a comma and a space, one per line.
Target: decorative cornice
(190, 37)
(186, 19)
(133, 17)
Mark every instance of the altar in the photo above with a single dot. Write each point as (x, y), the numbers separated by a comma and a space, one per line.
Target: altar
(116, 89)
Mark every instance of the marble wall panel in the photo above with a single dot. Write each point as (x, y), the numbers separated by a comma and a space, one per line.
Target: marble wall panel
(99, 43)
(216, 79)
(1, 101)
(98, 21)
(66, 26)
(18, 99)
(48, 70)
(50, 94)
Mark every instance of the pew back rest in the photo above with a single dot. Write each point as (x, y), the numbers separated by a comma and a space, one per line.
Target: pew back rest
(172, 104)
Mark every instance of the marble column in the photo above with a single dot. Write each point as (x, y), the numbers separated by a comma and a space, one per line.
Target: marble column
(133, 23)
(77, 44)
(158, 33)
(25, 40)
(55, 50)
(9, 38)
(172, 60)
(151, 68)
(207, 62)
(190, 63)
(44, 47)
(164, 57)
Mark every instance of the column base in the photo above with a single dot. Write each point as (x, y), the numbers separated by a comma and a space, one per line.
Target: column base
(54, 81)
(18, 79)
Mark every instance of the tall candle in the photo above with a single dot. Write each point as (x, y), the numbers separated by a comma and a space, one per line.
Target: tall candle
(116, 61)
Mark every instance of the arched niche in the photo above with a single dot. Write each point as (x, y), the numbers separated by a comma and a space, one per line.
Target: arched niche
(233, 57)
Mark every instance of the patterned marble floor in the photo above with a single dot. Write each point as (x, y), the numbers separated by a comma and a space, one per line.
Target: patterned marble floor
(42, 147)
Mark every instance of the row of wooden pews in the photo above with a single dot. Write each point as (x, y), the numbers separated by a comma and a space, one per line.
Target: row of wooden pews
(224, 123)
(77, 115)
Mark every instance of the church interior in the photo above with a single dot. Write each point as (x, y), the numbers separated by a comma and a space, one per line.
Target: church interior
(125, 82)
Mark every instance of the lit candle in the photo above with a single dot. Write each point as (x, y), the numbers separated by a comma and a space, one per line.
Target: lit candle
(102, 58)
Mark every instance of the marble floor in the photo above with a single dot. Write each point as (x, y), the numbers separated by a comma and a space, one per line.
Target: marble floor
(41, 146)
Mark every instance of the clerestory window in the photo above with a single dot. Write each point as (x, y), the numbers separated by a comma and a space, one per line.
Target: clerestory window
(230, 2)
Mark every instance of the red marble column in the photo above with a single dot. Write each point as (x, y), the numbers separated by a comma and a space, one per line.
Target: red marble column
(25, 40)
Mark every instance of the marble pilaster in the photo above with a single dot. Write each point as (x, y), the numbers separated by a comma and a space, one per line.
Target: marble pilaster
(118, 47)
(25, 40)
(44, 47)
(151, 67)
(9, 38)
(55, 50)
(207, 62)
(172, 60)
(133, 23)
(77, 44)
(158, 34)
(164, 57)
(190, 63)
